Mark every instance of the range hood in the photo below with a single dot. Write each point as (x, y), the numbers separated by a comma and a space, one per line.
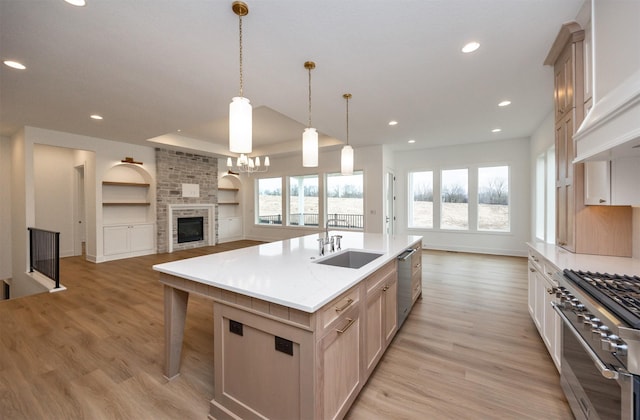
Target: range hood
(612, 128)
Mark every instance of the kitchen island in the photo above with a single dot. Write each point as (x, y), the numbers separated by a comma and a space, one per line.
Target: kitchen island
(294, 338)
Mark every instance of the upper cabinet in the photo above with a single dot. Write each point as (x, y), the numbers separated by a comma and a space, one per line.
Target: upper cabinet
(579, 228)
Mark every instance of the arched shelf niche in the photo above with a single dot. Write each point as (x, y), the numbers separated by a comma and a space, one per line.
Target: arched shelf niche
(229, 208)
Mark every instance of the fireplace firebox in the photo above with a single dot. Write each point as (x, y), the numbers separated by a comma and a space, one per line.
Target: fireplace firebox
(190, 229)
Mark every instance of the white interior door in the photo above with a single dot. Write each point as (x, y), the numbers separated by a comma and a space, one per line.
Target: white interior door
(79, 210)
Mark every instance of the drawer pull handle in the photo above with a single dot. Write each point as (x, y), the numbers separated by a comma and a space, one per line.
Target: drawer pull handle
(345, 306)
(532, 270)
(385, 288)
(346, 327)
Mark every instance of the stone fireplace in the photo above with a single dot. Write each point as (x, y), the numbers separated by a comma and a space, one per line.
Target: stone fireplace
(175, 169)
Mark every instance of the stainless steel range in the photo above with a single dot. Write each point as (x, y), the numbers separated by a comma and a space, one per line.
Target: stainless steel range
(600, 368)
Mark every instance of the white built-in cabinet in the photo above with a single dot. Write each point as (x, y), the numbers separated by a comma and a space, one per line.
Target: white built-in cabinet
(128, 217)
(612, 182)
(597, 183)
(229, 209)
(542, 292)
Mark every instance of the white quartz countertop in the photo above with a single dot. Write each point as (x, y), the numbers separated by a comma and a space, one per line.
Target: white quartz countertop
(285, 273)
(562, 259)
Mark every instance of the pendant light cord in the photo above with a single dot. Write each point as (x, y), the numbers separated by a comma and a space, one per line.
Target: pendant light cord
(347, 98)
(240, 27)
(309, 96)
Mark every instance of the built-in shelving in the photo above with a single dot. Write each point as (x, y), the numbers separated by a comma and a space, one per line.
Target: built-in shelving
(126, 204)
(128, 214)
(229, 202)
(126, 184)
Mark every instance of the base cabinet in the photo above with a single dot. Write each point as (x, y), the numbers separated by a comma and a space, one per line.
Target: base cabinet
(416, 273)
(229, 229)
(123, 241)
(339, 379)
(541, 294)
(276, 362)
(381, 316)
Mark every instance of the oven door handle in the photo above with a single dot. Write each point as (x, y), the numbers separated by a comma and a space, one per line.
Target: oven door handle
(602, 368)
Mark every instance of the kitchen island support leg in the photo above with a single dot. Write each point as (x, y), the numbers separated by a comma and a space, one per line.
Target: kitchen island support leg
(175, 313)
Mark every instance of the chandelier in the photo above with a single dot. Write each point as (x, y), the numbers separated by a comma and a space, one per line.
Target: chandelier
(249, 165)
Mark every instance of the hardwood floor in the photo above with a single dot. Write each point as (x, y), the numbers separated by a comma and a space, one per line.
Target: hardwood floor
(468, 349)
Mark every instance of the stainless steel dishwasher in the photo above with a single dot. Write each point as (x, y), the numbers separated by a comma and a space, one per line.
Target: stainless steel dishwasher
(404, 285)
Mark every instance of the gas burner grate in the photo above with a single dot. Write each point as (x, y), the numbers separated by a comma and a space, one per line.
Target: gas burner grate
(618, 293)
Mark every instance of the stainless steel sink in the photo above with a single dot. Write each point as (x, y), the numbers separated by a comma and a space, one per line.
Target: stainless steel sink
(351, 259)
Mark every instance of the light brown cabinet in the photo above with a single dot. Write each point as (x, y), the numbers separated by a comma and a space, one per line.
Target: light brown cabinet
(416, 273)
(579, 228)
(315, 364)
(381, 314)
(339, 360)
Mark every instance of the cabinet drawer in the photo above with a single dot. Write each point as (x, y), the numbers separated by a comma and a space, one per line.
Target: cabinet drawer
(536, 260)
(381, 275)
(337, 308)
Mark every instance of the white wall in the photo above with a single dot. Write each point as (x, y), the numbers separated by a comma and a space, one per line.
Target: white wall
(367, 159)
(97, 156)
(616, 30)
(514, 153)
(5, 209)
(53, 183)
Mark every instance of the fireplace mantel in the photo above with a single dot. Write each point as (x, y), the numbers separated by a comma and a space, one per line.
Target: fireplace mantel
(211, 217)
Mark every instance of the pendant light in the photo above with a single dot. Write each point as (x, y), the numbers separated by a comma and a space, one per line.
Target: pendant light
(310, 135)
(240, 112)
(346, 158)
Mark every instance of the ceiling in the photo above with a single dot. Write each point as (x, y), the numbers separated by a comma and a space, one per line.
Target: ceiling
(167, 69)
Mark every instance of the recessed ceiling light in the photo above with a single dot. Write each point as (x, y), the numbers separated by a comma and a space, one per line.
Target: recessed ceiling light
(504, 103)
(76, 2)
(411, 141)
(14, 64)
(470, 47)
(96, 117)
(393, 122)
(496, 130)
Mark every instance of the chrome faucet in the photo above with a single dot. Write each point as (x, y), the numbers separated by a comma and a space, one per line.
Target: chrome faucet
(327, 227)
(333, 241)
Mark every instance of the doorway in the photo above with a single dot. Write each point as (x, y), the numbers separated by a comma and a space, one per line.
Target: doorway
(389, 208)
(79, 229)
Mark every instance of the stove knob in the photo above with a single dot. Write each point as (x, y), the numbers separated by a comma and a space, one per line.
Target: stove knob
(608, 342)
(580, 308)
(584, 316)
(600, 332)
(619, 348)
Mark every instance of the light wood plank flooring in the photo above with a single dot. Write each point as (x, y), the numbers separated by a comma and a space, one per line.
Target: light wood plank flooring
(467, 351)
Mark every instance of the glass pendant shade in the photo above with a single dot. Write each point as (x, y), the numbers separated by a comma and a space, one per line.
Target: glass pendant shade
(310, 148)
(240, 126)
(346, 160)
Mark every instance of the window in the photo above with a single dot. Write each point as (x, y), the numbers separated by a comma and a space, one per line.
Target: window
(421, 199)
(493, 198)
(545, 205)
(303, 201)
(454, 205)
(345, 200)
(269, 201)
